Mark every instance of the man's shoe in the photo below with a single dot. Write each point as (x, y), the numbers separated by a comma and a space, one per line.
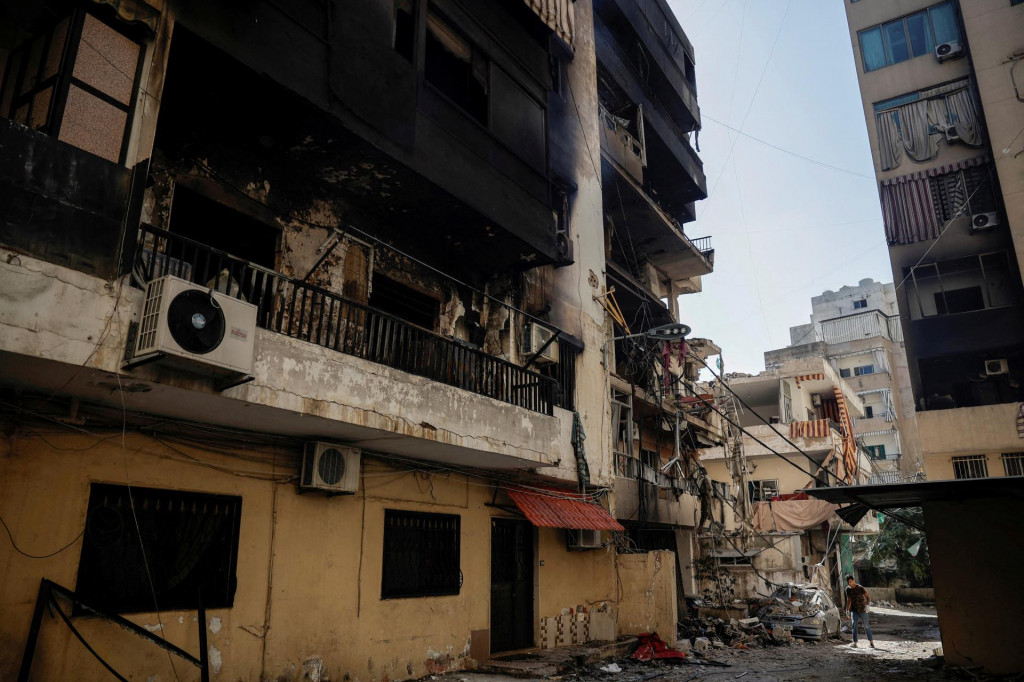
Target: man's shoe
(854, 644)
(873, 645)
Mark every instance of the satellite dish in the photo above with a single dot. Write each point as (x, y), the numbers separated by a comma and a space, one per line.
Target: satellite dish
(196, 321)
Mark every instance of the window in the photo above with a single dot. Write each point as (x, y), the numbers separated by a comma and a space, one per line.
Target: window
(869, 412)
(190, 542)
(961, 285)
(908, 37)
(787, 403)
(405, 28)
(964, 193)
(863, 369)
(971, 466)
(456, 67)
(862, 303)
(210, 222)
(75, 80)
(421, 555)
(1013, 463)
(763, 490)
(875, 451)
(844, 373)
(404, 302)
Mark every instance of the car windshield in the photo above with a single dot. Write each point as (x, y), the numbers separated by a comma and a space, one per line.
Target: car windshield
(793, 593)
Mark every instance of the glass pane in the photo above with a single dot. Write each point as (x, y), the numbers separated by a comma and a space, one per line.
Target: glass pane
(872, 50)
(896, 42)
(944, 24)
(920, 31)
(91, 124)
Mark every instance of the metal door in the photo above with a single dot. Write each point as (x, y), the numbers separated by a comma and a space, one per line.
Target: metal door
(511, 585)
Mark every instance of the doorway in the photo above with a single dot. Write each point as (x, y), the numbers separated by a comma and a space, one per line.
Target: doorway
(511, 585)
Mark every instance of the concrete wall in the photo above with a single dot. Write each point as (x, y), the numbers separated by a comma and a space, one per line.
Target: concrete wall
(989, 430)
(647, 593)
(979, 601)
(309, 567)
(832, 304)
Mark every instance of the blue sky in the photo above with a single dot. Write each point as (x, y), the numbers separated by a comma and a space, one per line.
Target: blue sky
(783, 228)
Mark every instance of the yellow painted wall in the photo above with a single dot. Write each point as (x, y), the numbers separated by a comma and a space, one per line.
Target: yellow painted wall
(989, 430)
(325, 607)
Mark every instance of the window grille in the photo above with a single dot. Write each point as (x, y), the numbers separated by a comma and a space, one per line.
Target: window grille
(971, 466)
(421, 554)
(190, 542)
(1013, 463)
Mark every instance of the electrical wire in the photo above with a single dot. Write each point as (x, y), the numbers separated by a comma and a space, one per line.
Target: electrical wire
(22, 552)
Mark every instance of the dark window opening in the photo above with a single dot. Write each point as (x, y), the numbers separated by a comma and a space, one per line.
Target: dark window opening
(404, 302)
(421, 554)
(405, 28)
(764, 490)
(844, 373)
(970, 466)
(190, 542)
(966, 192)
(456, 67)
(214, 224)
(959, 301)
(869, 411)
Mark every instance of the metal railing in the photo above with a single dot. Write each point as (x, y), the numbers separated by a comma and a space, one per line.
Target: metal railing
(310, 313)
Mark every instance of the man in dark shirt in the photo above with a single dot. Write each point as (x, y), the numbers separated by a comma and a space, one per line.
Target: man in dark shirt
(857, 600)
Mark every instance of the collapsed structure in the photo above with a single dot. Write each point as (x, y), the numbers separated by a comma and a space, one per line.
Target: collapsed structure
(331, 334)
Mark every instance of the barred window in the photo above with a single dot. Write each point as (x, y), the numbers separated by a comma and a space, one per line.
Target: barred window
(1013, 463)
(190, 542)
(971, 466)
(421, 554)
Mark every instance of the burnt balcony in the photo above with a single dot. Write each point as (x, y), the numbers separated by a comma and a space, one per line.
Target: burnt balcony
(310, 313)
(639, 219)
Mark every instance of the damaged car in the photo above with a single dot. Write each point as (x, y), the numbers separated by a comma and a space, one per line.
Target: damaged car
(807, 610)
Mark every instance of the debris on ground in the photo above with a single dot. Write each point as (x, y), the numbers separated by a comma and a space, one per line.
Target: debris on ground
(706, 633)
(653, 647)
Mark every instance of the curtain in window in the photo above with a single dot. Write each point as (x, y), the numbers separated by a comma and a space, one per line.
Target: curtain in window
(890, 149)
(872, 49)
(907, 209)
(944, 23)
(918, 140)
(964, 115)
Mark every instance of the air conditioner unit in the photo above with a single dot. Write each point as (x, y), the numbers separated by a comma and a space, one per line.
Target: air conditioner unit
(534, 338)
(984, 221)
(563, 248)
(996, 367)
(951, 50)
(579, 539)
(330, 468)
(185, 323)
(951, 134)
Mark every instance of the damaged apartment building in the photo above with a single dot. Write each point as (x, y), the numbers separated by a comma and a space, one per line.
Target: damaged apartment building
(332, 332)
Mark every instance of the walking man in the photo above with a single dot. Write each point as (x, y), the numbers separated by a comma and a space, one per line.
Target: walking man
(857, 600)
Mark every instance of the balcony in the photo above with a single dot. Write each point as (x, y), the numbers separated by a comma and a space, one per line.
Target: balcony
(776, 435)
(302, 311)
(653, 233)
(861, 326)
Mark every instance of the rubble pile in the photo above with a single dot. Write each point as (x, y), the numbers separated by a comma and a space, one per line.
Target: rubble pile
(704, 633)
(781, 607)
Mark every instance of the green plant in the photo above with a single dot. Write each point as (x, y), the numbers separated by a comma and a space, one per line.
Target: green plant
(892, 551)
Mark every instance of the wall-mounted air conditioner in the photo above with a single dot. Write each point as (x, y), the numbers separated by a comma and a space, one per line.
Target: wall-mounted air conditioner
(954, 49)
(984, 221)
(534, 338)
(330, 468)
(580, 539)
(204, 328)
(996, 367)
(951, 134)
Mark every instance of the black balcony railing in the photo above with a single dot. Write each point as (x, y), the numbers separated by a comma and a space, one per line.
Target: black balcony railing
(310, 313)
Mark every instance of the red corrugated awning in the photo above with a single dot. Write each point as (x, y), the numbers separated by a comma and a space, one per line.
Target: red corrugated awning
(554, 508)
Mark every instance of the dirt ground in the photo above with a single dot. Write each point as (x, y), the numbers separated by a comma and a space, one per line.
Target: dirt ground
(905, 638)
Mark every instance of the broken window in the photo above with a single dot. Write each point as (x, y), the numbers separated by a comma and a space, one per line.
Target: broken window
(145, 547)
(356, 270)
(456, 67)
(961, 285)
(421, 554)
(404, 302)
(75, 79)
(214, 224)
(763, 490)
(970, 466)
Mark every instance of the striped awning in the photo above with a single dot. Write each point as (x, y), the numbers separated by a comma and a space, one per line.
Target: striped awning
(556, 508)
(558, 16)
(818, 428)
(908, 208)
(808, 377)
(848, 472)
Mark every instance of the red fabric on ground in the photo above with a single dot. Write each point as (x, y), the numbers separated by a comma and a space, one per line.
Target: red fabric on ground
(651, 647)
